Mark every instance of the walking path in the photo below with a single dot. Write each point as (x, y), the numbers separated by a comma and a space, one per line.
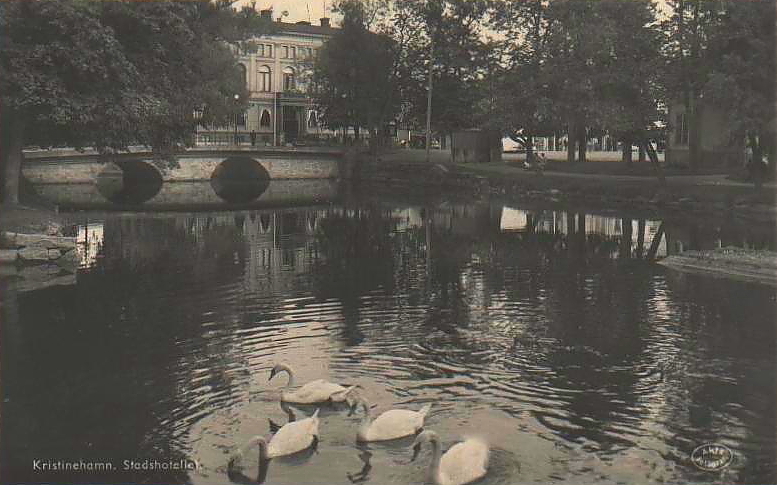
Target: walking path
(515, 171)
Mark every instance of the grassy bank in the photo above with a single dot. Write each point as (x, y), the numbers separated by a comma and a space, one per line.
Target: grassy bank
(698, 194)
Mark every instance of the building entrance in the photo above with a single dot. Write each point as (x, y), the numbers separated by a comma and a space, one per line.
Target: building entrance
(290, 123)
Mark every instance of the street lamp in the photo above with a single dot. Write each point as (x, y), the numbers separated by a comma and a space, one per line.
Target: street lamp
(237, 98)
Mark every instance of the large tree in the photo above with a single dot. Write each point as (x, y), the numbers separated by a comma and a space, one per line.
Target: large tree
(524, 107)
(112, 74)
(448, 46)
(355, 76)
(562, 74)
(722, 54)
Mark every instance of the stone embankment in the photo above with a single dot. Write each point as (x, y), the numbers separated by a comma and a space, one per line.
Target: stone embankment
(34, 261)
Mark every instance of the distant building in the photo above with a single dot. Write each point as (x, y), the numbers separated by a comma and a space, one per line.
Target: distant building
(716, 147)
(277, 68)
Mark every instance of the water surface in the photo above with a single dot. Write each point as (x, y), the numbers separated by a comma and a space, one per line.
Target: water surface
(547, 333)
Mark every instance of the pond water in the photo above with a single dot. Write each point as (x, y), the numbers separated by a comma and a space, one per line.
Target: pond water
(546, 333)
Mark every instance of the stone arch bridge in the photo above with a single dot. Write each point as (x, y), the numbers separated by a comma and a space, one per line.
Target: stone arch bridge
(197, 176)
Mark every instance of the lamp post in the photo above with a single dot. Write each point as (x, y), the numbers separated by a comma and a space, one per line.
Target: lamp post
(237, 98)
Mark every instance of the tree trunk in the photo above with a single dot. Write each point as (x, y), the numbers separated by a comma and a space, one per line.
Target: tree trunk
(656, 241)
(529, 149)
(626, 151)
(583, 144)
(641, 239)
(571, 143)
(694, 135)
(641, 154)
(11, 156)
(756, 165)
(626, 237)
(651, 152)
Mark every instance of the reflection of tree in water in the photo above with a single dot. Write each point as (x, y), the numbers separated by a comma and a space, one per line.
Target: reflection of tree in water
(724, 386)
(124, 346)
(357, 258)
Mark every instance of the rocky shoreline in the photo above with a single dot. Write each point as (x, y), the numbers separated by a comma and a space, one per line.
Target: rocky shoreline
(33, 253)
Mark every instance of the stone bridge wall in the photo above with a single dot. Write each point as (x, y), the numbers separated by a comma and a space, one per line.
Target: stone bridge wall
(80, 168)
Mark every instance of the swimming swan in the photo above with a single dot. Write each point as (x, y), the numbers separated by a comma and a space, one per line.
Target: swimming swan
(313, 392)
(463, 463)
(291, 438)
(390, 425)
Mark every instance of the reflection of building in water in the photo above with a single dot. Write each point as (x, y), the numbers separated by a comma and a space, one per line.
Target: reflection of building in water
(407, 218)
(559, 223)
(89, 243)
(279, 243)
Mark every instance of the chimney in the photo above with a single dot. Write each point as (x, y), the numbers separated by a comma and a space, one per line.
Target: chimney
(324, 21)
(266, 14)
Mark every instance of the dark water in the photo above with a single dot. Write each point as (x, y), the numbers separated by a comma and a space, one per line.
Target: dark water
(544, 332)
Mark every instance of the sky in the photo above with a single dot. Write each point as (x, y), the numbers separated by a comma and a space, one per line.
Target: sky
(298, 9)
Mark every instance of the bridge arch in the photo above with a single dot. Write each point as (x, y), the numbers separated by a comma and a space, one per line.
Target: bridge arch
(129, 182)
(239, 179)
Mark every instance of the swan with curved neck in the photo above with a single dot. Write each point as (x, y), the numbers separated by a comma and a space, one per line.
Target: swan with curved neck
(291, 438)
(235, 465)
(313, 392)
(390, 425)
(463, 463)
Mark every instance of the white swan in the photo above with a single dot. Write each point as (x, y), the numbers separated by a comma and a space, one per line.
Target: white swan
(313, 392)
(289, 439)
(390, 425)
(463, 463)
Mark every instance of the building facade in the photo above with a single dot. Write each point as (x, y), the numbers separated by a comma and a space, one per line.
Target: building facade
(277, 69)
(717, 149)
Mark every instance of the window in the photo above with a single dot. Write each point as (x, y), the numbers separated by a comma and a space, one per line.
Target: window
(312, 119)
(293, 52)
(264, 121)
(289, 83)
(264, 79)
(244, 72)
(285, 52)
(681, 130)
(260, 50)
(265, 50)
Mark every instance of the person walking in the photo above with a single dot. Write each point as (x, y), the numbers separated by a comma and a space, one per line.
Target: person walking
(253, 137)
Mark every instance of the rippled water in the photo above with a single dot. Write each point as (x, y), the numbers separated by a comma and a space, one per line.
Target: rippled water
(543, 332)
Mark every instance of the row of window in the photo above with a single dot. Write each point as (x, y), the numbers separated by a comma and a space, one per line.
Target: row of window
(265, 120)
(286, 51)
(264, 78)
(291, 52)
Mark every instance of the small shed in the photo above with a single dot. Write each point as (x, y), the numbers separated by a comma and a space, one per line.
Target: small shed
(476, 146)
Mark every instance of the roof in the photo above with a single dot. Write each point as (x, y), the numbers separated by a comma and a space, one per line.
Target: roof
(283, 27)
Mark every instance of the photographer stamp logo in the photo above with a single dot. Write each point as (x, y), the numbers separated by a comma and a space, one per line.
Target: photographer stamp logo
(712, 457)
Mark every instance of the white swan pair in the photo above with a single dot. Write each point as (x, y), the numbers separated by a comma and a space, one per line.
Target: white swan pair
(463, 463)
